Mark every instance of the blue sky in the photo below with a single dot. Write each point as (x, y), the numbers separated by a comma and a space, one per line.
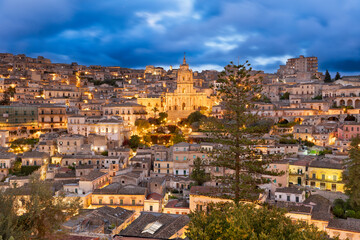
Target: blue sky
(135, 33)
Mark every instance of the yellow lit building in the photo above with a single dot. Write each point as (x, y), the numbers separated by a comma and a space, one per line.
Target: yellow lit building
(184, 100)
(326, 175)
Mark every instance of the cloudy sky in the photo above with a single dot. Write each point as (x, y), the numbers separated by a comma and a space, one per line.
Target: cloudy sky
(136, 33)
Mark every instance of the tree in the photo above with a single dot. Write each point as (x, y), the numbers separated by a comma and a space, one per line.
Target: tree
(285, 96)
(142, 124)
(195, 117)
(134, 141)
(33, 211)
(352, 176)
(8, 219)
(155, 110)
(44, 212)
(337, 76)
(163, 117)
(327, 77)
(198, 173)
(248, 222)
(178, 138)
(237, 134)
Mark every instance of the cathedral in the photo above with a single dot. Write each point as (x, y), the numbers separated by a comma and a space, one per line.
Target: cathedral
(185, 99)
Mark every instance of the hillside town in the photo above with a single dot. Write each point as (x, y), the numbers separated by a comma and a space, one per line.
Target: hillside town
(125, 141)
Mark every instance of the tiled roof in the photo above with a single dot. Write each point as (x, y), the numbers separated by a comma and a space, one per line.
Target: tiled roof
(293, 190)
(177, 204)
(117, 188)
(321, 207)
(154, 196)
(326, 164)
(35, 154)
(92, 175)
(349, 224)
(168, 225)
(95, 216)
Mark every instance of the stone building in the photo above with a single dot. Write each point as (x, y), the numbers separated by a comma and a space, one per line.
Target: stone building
(184, 100)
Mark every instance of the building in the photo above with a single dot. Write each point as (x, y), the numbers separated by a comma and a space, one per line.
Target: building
(35, 159)
(128, 111)
(6, 162)
(113, 128)
(184, 100)
(13, 117)
(129, 197)
(290, 194)
(105, 220)
(176, 206)
(52, 117)
(156, 226)
(70, 144)
(326, 175)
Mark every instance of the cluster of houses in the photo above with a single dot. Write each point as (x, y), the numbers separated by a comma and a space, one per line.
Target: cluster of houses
(82, 117)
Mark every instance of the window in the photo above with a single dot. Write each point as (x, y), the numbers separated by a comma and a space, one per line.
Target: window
(100, 201)
(335, 178)
(323, 176)
(133, 202)
(121, 202)
(184, 172)
(184, 158)
(297, 199)
(151, 208)
(168, 166)
(314, 175)
(194, 156)
(288, 198)
(177, 158)
(111, 201)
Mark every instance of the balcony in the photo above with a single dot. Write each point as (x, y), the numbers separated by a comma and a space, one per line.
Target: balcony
(296, 173)
(325, 180)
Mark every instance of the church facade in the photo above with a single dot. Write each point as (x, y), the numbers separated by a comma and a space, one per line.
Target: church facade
(184, 100)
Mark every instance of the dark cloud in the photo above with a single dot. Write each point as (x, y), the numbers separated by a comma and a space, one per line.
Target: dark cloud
(136, 33)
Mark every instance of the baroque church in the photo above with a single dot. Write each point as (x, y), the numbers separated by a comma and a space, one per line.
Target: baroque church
(184, 100)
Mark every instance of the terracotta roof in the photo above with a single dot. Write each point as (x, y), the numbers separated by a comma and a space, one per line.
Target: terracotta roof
(154, 196)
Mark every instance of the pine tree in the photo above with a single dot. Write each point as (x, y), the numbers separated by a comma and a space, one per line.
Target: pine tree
(238, 132)
(352, 176)
(327, 77)
(337, 76)
(198, 174)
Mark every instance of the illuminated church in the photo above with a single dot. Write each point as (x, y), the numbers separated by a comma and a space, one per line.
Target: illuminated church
(184, 100)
